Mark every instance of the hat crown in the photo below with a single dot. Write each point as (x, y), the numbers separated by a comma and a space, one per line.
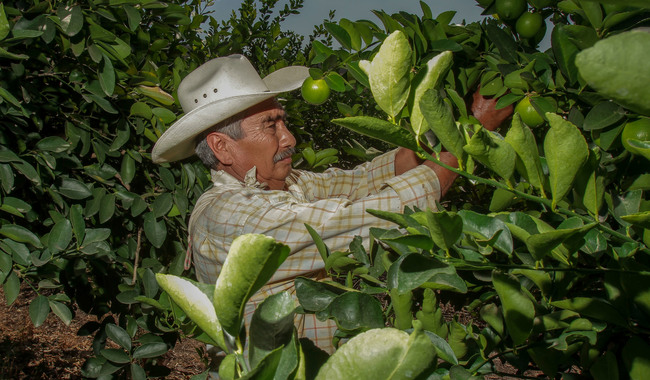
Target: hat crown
(217, 79)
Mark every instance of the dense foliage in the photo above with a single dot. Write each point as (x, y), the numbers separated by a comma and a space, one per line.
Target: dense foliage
(544, 241)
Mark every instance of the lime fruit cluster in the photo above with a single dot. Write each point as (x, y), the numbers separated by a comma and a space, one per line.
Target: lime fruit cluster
(315, 91)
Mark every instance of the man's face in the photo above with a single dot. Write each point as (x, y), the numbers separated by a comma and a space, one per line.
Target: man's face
(267, 145)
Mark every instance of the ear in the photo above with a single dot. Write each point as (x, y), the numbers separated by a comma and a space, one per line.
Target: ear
(220, 145)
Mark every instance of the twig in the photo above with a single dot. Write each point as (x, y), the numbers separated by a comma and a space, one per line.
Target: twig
(137, 256)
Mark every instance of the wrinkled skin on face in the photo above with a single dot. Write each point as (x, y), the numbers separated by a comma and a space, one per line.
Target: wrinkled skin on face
(267, 144)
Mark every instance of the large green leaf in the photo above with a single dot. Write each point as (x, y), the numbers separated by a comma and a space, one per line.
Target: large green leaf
(565, 52)
(619, 68)
(271, 327)
(485, 228)
(543, 243)
(60, 236)
(444, 227)
(20, 234)
(440, 118)
(492, 151)
(354, 312)
(315, 295)
(593, 308)
(566, 151)
(389, 72)
(521, 138)
(39, 309)
(380, 354)
(379, 129)
(412, 270)
(251, 261)
(155, 230)
(433, 74)
(195, 304)
(518, 309)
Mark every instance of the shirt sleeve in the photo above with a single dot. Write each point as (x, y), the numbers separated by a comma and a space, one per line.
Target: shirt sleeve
(353, 184)
(276, 214)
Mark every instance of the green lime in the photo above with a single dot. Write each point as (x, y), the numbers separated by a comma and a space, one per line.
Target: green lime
(510, 9)
(528, 24)
(528, 113)
(639, 130)
(315, 91)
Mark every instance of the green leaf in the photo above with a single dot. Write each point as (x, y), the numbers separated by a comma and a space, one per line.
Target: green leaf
(445, 228)
(593, 308)
(157, 94)
(353, 33)
(522, 140)
(107, 76)
(60, 236)
(492, 151)
(388, 74)
(115, 355)
(503, 41)
(39, 309)
(249, 265)
(636, 356)
(485, 228)
(379, 129)
(155, 230)
(543, 243)
(518, 309)
(119, 336)
(378, 354)
(612, 65)
(354, 312)
(53, 144)
(602, 115)
(4, 23)
(107, 208)
(440, 118)
(71, 19)
(20, 234)
(641, 219)
(271, 326)
(11, 288)
(133, 16)
(150, 350)
(315, 295)
(340, 34)
(162, 204)
(566, 151)
(61, 311)
(412, 270)
(431, 78)
(565, 52)
(196, 304)
(73, 189)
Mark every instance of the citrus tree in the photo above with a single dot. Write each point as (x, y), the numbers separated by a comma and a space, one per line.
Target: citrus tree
(86, 220)
(545, 243)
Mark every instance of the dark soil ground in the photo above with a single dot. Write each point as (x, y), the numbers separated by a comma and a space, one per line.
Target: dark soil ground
(54, 351)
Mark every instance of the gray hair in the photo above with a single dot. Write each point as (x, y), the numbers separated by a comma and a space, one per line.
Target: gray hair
(231, 127)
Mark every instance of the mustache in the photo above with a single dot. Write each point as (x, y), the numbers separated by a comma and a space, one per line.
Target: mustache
(284, 154)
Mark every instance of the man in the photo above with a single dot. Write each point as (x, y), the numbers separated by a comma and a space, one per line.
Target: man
(235, 125)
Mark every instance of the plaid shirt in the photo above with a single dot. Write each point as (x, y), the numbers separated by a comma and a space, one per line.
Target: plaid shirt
(334, 203)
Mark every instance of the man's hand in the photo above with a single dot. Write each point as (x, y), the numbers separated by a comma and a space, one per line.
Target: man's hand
(483, 108)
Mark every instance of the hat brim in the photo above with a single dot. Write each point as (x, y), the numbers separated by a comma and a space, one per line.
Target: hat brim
(178, 142)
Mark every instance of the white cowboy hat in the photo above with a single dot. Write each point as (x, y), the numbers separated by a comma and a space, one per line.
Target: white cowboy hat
(215, 91)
